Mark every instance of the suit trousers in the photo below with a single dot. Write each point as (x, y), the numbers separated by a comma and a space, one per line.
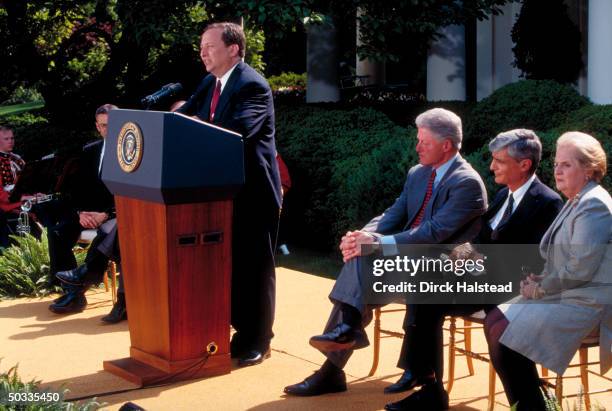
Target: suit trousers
(254, 232)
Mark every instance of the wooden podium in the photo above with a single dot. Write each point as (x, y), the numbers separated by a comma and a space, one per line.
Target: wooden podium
(173, 178)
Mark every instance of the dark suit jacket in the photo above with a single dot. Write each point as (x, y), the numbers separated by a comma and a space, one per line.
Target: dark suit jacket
(523, 230)
(245, 106)
(84, 188)
(530, 220)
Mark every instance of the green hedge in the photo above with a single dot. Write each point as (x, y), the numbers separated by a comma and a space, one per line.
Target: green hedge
(287, 80)
(533, 104)
(35, 137)
(346, 167)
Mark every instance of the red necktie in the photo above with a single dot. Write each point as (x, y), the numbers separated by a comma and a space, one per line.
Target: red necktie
(215, 100)
(419, 217)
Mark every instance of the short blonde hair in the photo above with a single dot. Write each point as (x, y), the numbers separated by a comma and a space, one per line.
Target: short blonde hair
(589, 152)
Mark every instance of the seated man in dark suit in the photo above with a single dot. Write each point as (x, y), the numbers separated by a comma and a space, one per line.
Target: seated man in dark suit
(104, 247)
(86, 205)
(441, 203)
(519, 214)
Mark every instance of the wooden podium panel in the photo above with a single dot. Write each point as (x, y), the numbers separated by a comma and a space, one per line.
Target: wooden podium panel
(176, 263)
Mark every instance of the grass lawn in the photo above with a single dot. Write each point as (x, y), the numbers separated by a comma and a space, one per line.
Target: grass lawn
(20, 108)
(312, 262)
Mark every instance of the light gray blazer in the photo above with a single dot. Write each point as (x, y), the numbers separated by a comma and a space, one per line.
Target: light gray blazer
(452, 215)
(578, 284)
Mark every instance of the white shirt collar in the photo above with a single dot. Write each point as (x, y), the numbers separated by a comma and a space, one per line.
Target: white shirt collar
(226, 76)
(521, 191)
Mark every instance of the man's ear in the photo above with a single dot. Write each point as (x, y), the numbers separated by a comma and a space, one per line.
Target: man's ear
(447, 145)
(234, 49)
(525, 164)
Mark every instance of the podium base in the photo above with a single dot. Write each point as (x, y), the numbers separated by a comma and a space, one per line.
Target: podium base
(145, 375)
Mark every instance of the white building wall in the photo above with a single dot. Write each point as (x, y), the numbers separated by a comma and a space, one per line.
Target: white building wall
(446, 66)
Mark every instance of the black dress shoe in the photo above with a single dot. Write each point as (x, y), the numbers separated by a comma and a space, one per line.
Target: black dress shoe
(73, 277)
(340, 338)
(73, 303)
(318, 383)
(61, 298)
(253, 357)
(431, 397)
(117, 314)
(407, 382)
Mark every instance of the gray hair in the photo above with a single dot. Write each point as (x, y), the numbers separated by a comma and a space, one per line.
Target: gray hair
(443, 124)
(522, 144)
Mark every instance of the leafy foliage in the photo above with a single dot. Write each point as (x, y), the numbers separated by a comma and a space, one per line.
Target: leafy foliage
(35, 137)
(24, 268)
(387, 28)
(10, 382)
(534, 104)
(346, 166)
(553, 53)
(287, 80)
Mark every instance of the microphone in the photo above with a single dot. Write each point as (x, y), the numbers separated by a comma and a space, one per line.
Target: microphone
(166, 91)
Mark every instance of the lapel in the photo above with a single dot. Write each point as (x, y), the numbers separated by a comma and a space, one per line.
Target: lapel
(456, 164)
(498, 201)
(226, 93)
(204, 110)
(526, 207)
(563, 214)
(556, 224)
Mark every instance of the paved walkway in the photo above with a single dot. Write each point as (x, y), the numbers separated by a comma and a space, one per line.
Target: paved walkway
(69, 351)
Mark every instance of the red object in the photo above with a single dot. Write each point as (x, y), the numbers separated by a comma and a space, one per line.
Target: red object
(419, 217)
(284, 174)
(215, 100)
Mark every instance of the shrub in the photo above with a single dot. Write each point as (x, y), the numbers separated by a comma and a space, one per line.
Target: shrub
(287, 81)
(24, 268)
(35, 137)
(10, 382)
(534, 104)
(23, 95)
(346, 167)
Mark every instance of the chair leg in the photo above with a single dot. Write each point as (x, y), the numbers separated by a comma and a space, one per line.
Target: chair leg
(105, 279)
(467, 338)
(559, 390)
(492, 378)
(113, 272)
(584, 376)
(451, 354)
(376, 341)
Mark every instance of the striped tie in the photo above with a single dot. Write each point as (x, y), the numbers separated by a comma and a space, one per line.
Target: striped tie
(421, 214)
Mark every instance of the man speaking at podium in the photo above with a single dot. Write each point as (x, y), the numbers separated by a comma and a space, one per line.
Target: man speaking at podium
(236, 97)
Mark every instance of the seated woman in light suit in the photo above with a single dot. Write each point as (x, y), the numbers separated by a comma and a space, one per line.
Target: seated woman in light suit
(573, 295)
